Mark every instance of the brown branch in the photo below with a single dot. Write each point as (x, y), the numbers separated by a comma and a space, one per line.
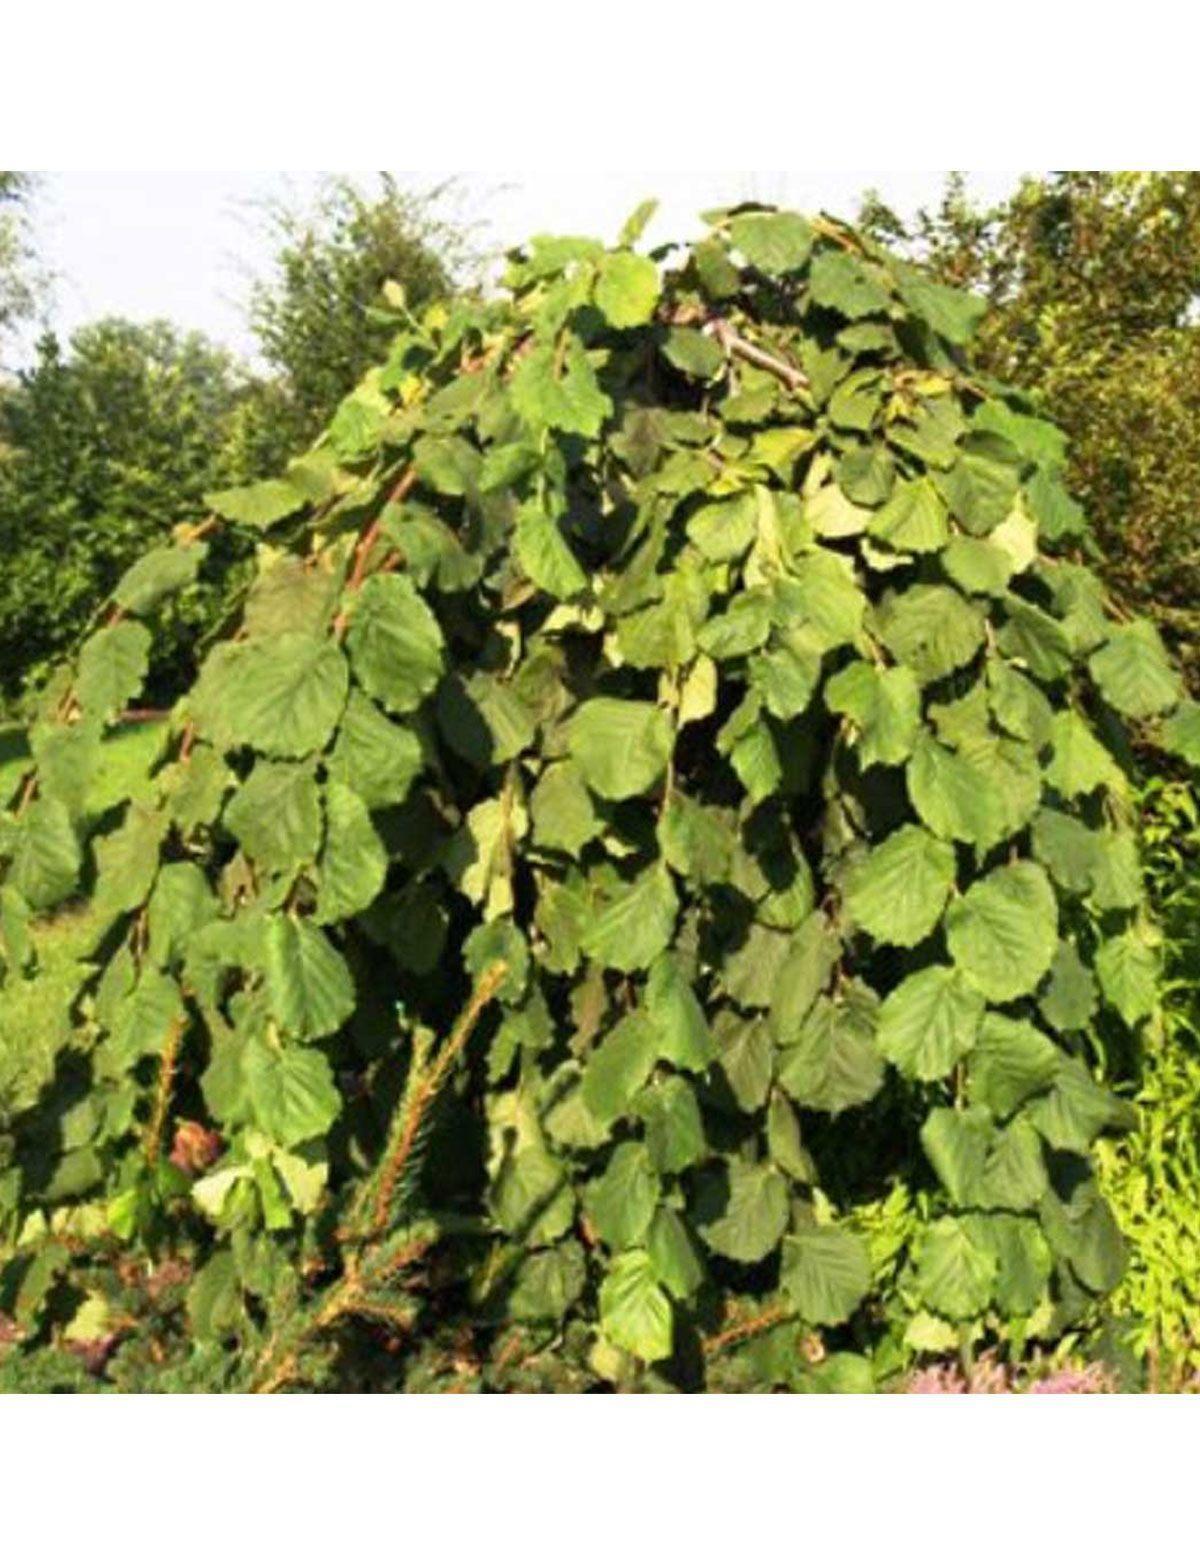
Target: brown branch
(367, 541)
(737, 346)
(747, 1329)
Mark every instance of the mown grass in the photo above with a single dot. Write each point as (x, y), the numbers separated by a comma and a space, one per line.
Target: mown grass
(35, 1017)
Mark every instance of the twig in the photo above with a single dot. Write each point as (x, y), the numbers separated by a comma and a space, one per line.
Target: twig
(738, 346)
(367, 541)
(747, 1329)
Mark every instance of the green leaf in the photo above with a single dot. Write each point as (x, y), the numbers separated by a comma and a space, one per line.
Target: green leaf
(1067, 847)
(1081, 1228)
(677, 1263)
(726, 530)
(1022, 1257)
(282, 697)
(44, 854)
(276, 817)
(776, 242)
(979, 491)
(856, 402)
(373, 756)
(840, 281)
(112, 668)
(448, 465)
(635, 1312)
(784, 1145)
(742, 627)
(1059, 517)
(866, 476)
(808, 962)
(127, 860)
(621, 1202)
(929, 1022)
(1068, 1000)
(693, 353)
(564, 817)
(954, 1276)
(1003, 931)
(531, 1195)
(683, 1034)
(827, 1273)
(636, 924)
(674, 1132)
(913, 519)
(479, 859)
(181, 902)
(883, 703)
(292, 1091)
(952, 313)
(545, 554)
(552, 392)
(548, 1283)
(977, 567)
(621, 746)
(1133, 673)
(627, 289)
(1079, 763)
(1128, 967)
(835, 1063)
(309, 986)
(1010, 1061)
(157, 575)
(394, 643)
(353, 862)
(260, 505)
(956, 798)
(697, 841)
(1035, 640)
(741, 1211)
(932, 629)
(822, 594)
(144, 1020)
(619, 1066)
(483, 719)
(897, 892)
(747, 1058)
(289, 597)
(956, 1144)
(1181, 734)
(1076, 1109)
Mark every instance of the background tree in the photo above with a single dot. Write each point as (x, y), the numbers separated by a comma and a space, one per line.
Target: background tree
(318, 318)
(1094, 280)
(107, 444)
(21, 283)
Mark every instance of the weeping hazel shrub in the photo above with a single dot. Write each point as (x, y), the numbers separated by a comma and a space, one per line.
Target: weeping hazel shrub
(661, 800)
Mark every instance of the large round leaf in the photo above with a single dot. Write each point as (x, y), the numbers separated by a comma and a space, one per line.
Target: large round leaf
(898, 891)
(1003, 932)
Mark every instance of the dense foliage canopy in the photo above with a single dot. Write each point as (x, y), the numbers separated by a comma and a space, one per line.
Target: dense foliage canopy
(1093, 280)
(677, 684)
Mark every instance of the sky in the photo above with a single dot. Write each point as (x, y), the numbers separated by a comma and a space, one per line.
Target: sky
(186, 246)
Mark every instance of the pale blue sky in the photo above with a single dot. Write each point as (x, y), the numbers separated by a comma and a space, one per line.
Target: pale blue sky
(185, 246)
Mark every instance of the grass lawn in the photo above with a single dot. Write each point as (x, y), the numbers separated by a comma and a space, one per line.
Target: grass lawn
(35, 1016)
